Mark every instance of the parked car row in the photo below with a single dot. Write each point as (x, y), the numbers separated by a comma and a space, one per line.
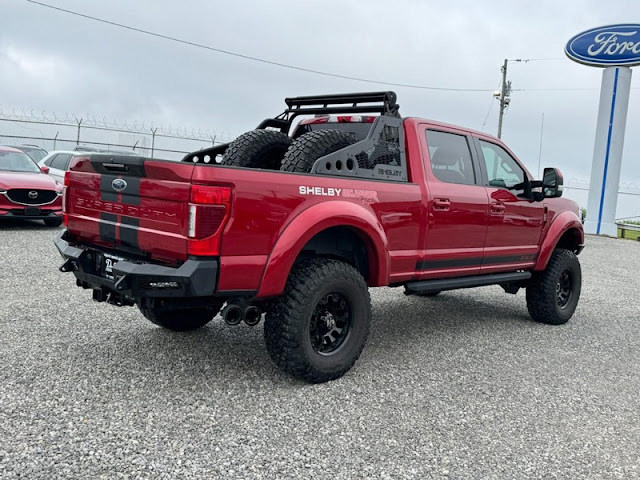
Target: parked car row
(31, 181)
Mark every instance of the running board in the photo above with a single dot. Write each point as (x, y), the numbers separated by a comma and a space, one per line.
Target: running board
(465, 282)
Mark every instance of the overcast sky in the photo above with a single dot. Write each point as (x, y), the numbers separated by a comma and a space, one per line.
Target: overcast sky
(56, 62)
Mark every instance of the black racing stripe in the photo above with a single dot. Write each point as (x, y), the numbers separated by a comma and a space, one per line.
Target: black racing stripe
(527, 257)
(107, 193)
(448, 263)
(106, 230)
(129, 231)
(131, 194)
(474, 261)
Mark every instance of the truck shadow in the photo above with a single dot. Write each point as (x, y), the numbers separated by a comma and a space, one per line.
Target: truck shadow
(219, 352)
(11, 225)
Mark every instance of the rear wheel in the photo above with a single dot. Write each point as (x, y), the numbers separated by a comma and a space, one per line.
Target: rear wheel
(552, 295)
(173, 315)
(53, 222)
(311, 146)
(317, 329)
(258, 149)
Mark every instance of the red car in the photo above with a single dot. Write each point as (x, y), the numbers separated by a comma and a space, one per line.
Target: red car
(297, 220)
(26, 192)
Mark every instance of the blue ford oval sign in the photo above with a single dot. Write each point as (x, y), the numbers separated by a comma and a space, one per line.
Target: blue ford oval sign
(606, 46)
(118, 184)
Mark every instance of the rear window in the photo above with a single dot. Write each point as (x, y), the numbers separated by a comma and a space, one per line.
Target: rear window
(450, 157)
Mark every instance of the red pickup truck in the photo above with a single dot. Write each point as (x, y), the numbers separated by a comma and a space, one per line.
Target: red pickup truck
(296, 219)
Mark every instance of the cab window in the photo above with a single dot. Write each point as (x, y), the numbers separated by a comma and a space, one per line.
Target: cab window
(502, 169)
(450, 157)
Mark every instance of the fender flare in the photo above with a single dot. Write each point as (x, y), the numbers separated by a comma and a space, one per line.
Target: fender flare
(314, 220)
(561, 224)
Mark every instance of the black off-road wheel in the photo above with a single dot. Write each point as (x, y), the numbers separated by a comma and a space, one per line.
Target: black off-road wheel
(317, 328)
(173, 315)
(52, 222)
(258, 149)
(304, 152)
(553, 294)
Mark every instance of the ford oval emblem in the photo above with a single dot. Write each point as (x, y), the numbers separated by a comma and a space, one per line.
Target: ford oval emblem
(612, 45)
(118, 184)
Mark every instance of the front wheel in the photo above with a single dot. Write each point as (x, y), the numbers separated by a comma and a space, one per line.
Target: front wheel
(317, 328)
(174, 315)
(553, 294)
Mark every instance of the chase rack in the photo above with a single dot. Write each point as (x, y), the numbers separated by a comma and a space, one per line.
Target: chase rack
(383, 103)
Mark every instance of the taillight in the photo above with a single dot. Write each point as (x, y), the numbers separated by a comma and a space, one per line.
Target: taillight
(209, 210)
(65, 214)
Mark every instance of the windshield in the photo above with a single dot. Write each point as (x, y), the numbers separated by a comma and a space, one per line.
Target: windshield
(17, 162)
(36, 153)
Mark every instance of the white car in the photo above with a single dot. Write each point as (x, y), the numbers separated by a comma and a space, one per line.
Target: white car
(58, 163)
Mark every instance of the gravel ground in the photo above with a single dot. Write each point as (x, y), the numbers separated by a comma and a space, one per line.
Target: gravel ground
(463, 385)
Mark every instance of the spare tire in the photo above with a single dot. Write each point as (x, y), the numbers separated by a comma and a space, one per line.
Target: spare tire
(311, 146)
(258, 149)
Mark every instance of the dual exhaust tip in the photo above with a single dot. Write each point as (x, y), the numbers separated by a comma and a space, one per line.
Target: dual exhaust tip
(233, 314)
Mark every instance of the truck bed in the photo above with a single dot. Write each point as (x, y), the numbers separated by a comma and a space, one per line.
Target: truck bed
(149, 218)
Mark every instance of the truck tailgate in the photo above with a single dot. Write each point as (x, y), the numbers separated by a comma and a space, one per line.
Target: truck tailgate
(130, 204)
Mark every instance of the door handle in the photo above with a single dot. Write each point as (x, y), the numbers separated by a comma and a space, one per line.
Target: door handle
(497, 208)
(441, 204)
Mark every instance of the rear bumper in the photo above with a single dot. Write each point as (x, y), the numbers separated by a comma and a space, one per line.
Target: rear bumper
(133, 279)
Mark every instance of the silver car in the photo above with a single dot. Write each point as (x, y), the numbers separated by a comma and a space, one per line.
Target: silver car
(58, 163)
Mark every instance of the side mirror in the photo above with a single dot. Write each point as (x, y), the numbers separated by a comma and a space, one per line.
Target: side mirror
(44, 169)
(552, 183)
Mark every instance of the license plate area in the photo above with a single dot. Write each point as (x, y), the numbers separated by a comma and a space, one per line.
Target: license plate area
(32, 211)
(107, 264)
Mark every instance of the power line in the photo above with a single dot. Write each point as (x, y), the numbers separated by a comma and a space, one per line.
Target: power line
(252, 58)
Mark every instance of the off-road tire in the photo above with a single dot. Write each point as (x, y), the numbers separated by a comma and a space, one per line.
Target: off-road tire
(165, 313)
(543, 289)
(287, 328)
(52, 222)
(258, 149)
(304, 152)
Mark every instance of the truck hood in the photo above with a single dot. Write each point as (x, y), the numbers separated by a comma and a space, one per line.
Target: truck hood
(35, 180)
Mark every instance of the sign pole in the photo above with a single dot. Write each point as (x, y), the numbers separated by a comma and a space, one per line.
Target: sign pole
(614, 48)
(607, 151)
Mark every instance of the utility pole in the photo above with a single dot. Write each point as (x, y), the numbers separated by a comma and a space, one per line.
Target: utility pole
(503, 96)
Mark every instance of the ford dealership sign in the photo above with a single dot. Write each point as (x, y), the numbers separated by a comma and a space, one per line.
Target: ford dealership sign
(613, 45)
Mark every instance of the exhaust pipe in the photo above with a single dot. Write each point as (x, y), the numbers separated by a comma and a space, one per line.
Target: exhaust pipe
(252, 315)
(232, 314)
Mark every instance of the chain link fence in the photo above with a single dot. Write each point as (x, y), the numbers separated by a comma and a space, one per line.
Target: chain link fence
(53, 132)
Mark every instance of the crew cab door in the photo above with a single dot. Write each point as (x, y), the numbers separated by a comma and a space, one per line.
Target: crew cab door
(515, 223)
(457, 205)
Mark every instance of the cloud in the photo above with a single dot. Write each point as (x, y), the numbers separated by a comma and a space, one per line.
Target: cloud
(83, 66)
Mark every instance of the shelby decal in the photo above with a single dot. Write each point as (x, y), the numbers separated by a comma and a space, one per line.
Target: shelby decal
(364, 195)
(321, 191)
